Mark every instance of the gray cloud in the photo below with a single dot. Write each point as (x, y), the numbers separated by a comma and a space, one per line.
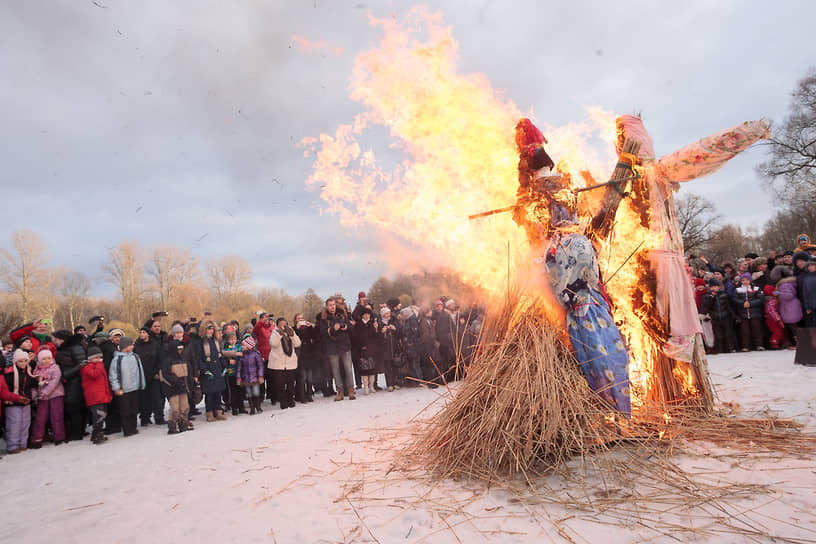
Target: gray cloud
(191, 111)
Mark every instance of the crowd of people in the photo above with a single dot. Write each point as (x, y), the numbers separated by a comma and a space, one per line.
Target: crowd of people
(758, 302)
(57, 384)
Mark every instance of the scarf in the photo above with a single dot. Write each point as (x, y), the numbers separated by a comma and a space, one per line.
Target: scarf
(286, 344)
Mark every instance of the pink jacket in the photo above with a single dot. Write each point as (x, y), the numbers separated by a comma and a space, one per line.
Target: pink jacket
(51, 375)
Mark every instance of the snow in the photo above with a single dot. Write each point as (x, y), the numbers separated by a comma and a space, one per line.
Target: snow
(282, 476)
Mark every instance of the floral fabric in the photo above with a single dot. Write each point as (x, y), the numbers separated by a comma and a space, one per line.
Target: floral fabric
(572, 267)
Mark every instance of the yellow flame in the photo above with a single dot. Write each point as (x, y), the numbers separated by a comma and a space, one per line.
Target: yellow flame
(456, 136)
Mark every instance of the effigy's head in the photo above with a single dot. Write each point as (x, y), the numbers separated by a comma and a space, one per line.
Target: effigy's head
(631, 126)
(560, 203)
(530, 145)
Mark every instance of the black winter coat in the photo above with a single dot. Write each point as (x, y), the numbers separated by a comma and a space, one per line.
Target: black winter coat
(308, 350)
(149, 355)
(173, 369)
(71, 357)
(717, 306)
(336, 341)
(210, 369)
(755, 299)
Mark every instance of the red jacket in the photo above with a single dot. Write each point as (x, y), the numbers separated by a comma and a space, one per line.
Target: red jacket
(262, 333)
(6, 395)
(95, 384)
(35, 342)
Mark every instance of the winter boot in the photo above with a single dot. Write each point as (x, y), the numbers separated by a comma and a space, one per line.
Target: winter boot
(339, 395)
(210, 417)
(252, 406)
(258, 402)
(172, 428)
(351, 394)
(219, 415)
(97, 437)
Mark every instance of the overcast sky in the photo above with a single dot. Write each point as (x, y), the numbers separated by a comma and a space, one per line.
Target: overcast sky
(178, 121)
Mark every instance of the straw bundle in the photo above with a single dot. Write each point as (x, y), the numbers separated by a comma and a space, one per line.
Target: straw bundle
(524, 406)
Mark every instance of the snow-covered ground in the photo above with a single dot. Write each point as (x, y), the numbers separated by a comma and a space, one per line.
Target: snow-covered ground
(297, 475)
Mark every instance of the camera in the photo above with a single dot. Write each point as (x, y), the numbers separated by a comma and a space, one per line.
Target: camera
(96, 318)
(160, 314)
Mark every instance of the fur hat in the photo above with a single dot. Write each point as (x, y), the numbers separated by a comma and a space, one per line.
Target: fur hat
(115, 331)
(125, 343)
(248, 343)
(19, 356)
(94, 353)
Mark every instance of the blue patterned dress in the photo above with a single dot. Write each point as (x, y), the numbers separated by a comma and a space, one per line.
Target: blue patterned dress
(572, 267)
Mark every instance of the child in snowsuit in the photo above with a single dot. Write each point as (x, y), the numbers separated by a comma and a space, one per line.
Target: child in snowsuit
(97, 392)
(250, 374)
(126, 380)
(789, 306)
(20, 382)
(748, 302)
(49, 400)
(772, 318)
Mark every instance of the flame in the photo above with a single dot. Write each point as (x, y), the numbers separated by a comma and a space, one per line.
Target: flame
(455, 137)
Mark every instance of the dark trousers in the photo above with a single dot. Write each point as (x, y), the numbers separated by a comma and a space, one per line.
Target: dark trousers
(212, 402)
(235, 393)
(723, 335)
(98, 413)
(151, 401)
(113, 422)
(128, 410)
(284, 381)
(271, 393)
(75, 418)
(355, 363)
(751, 333)
(303, 384)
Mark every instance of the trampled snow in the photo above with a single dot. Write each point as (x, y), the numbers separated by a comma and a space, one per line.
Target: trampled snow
(284, 476)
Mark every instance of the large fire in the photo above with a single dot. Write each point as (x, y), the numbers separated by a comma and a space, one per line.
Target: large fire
(455, 136)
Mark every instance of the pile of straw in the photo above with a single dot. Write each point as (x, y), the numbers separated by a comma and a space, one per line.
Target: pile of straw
(524, 405)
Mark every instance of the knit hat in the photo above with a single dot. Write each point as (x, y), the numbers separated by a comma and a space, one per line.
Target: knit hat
(175, 329)
(393, 302)
(751, 255)
(248, 343)
(19, 355)
(22, 339)
(361, 294)
(714, 281)
(62, 334)
(94, 353)
(146, 329)
(385, 310)
(746, 275)
(44, 351)
(769, 290)
(125, 343)
(450, 303)
(79, 328)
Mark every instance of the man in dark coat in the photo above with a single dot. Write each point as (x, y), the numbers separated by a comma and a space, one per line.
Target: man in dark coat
(71, 358)
(150, 398)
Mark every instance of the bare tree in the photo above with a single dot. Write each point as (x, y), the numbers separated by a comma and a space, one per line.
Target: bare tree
(22, 269)
(728, 243)
(791, 170)
(781, 230)
(697, 217)
(171, 267)
(73, 288)
(126, 270)
(229, 280)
